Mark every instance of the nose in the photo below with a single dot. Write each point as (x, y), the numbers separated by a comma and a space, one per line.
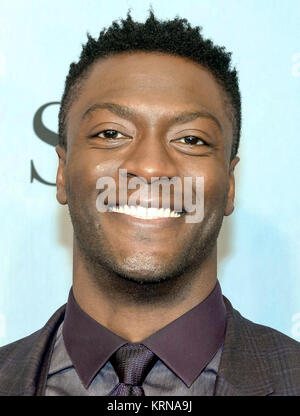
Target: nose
(150, 158)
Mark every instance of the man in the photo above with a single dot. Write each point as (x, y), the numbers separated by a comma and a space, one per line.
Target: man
(145, 314)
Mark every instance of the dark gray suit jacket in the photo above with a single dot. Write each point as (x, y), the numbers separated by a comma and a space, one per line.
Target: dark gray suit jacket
(256, 360)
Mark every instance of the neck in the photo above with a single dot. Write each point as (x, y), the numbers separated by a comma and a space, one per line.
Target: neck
(134, 311)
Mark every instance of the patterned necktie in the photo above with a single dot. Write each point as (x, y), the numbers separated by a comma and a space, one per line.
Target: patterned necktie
(132, 363)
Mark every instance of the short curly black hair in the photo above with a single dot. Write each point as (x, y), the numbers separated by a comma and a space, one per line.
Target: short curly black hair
(173, 37)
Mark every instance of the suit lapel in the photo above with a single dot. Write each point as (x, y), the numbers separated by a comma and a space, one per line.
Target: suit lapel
(243, 369)
(51, 338)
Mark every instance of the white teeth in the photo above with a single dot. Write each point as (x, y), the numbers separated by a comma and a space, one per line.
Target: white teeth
(145, 213)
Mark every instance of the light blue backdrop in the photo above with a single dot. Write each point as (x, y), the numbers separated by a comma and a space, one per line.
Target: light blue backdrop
(259, 262)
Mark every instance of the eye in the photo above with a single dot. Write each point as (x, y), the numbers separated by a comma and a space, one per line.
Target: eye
(193, 140)
(109, 134)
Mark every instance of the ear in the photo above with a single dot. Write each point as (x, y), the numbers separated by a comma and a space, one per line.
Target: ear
(231, 192)
(61, 195)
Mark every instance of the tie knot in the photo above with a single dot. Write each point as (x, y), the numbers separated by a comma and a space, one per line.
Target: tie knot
(132, 363)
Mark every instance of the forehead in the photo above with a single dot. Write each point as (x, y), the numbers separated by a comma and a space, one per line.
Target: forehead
(155, 84)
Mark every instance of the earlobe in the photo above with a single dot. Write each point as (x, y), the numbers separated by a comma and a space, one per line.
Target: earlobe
(231, 192)
(61, 176)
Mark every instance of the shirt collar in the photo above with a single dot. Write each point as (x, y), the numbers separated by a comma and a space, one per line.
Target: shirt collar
(186, 345)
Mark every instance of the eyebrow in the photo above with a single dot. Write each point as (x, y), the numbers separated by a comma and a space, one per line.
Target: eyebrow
(130, 114)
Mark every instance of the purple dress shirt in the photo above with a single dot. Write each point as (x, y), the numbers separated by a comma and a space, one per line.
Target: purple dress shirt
(188, 348)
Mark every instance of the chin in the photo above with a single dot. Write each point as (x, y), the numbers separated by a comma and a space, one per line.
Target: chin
(143, 268)
(141, 274)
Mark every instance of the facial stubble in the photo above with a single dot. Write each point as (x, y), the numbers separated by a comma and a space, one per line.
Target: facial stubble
(138, 279)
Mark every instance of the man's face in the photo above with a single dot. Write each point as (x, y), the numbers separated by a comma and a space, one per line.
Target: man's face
(148, 142)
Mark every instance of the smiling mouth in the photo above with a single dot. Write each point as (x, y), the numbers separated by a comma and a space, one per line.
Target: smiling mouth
(146, 213)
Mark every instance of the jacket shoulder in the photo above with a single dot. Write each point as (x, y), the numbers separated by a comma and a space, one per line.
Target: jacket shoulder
(18, 346)
(265, 355)
(21, 361)
(269, 339)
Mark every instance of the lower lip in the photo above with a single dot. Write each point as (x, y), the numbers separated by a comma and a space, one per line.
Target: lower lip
(157, 222)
